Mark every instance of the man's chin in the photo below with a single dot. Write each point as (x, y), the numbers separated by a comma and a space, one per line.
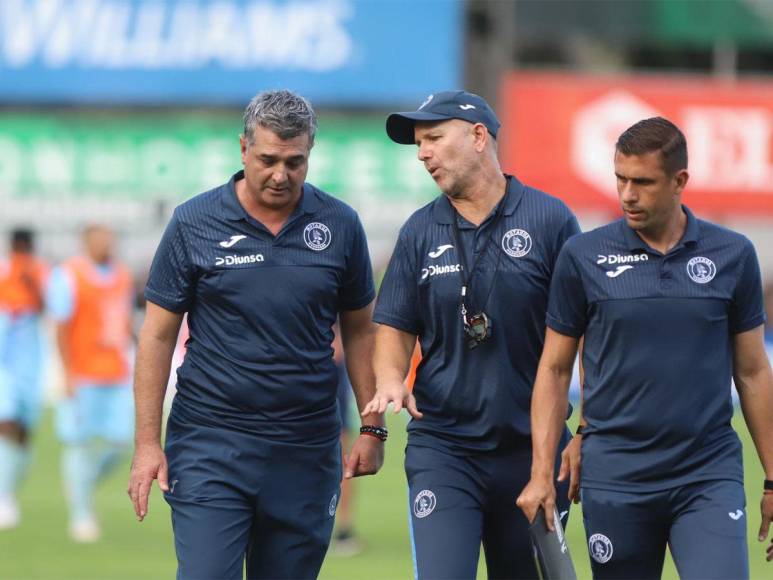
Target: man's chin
(452, 192)
(636, 225)
(276, 200)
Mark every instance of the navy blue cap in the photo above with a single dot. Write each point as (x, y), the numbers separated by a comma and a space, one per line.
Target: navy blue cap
(442, 107)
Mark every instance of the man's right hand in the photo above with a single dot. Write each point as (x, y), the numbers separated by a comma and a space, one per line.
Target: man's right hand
(539, 492)
(396, 393)
(149, 463)
(570, 467)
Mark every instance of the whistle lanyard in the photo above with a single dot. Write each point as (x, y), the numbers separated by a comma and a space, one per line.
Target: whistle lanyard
(466, 274)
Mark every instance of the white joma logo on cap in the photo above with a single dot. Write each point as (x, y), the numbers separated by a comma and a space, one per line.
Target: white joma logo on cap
(466, 107)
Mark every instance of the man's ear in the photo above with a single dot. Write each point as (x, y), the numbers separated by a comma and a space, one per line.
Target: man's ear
(481, 135)
(243, 145)
(681, 178)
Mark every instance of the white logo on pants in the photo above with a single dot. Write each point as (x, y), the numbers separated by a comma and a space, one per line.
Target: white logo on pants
(424, 503)
(600, 548)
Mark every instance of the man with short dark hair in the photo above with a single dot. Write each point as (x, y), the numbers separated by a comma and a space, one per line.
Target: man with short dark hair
(670, 310)
(263, 265)
(469, 277)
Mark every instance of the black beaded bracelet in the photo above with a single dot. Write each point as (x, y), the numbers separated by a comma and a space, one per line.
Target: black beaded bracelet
(768, 484)
(375, 431)
(579, 430)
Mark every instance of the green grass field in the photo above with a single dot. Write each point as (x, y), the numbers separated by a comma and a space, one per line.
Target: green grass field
(39, 548)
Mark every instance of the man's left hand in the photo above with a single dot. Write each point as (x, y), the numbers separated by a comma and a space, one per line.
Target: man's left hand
(766, 508)
(365, 458)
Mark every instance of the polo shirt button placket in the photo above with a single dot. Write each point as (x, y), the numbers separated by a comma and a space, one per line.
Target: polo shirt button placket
(666, 276)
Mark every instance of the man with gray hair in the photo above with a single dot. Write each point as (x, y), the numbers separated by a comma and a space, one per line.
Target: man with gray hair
(263, 266)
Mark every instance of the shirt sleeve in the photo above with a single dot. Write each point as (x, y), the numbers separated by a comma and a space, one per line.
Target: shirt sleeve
(397, 303)
(171, 282)
(60, 294)
(568, 303)
(570, 228)
(747, 309)
(358, 289)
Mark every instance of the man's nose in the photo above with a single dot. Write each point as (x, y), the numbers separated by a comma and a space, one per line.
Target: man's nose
(628, 193)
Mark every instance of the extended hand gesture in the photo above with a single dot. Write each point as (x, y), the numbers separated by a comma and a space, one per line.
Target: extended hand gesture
(397, 394)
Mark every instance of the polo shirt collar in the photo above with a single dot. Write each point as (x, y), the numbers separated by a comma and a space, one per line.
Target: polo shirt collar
(233, 210)
(444, 212)
(691, 233)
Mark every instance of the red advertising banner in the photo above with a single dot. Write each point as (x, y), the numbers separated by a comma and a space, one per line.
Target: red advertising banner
(559, 132)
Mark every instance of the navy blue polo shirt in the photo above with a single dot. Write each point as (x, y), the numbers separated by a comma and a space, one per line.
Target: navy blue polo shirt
(477, 399)
(658, 351)
(261, 309)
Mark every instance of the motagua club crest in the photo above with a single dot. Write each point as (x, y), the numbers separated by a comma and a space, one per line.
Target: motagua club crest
(424, 503)
(600, 548)
(516, 243)
(317, 236)
(701, 270)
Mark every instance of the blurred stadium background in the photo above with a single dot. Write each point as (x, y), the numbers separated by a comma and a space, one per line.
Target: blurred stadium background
(114, 111)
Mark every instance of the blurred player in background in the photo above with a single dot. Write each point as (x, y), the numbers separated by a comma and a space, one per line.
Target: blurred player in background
(345, 540)
(263, 265)
(22, 279)
(469, 277)
(90, 297)
(670, 308)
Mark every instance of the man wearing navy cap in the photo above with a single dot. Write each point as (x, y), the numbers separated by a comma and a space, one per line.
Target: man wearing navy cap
(670, 308)
(263, 266)
(469, 277)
